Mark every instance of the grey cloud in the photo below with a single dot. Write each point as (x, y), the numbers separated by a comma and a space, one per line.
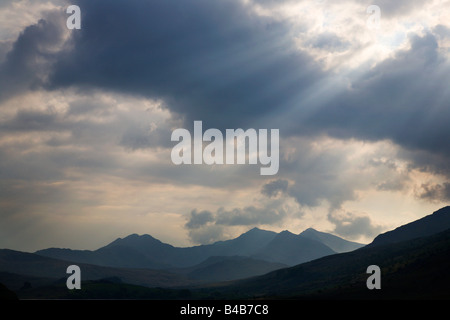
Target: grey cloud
(273, 3)
(393, 9)
(393, 184)
(28, 63)
(206, 226)
(250, 216)
(208, 234)
(442, 31)
(199, 219)
(275, 187)
(434, 192)
(330, 42)
(144, 136)
(208, 60)
(352, 225)
(5, 47)
(216, 62)
(403, 99)
(32, 120)
(318, 176)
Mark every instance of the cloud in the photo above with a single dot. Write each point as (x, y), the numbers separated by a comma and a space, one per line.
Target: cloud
(218, 62)
(200, 224)
(213, 61)
(28, 64)
(251, 215)
(395, 9)
(199, 219)
(352, 225)
(271, 213)
(208, 234)
(275, 187)
(329, 42)
(402, 99)
(434, 192)
(101, 102)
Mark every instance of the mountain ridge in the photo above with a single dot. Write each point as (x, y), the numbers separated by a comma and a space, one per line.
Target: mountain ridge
(433, 223)
(414, 268)
(145, 251)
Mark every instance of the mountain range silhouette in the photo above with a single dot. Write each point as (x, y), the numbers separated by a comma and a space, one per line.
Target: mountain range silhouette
(413, 258)
(144, 251)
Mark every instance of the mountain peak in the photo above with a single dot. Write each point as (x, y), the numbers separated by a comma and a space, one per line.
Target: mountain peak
(334, 242)
(256, 232)
(310, 230)
(286, 234)
(254, 229)
(137, 236)
(135, 240)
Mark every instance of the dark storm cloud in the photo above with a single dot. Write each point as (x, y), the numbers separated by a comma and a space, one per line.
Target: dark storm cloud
(404, 99)
(27, 65)
(209, 60)
(5, 47)
(214, 61)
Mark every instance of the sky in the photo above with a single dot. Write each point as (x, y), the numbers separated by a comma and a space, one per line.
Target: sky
(359, 92)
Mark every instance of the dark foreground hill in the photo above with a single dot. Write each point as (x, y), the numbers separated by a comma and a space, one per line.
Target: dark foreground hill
(412, 269)
(426, 226)
(6, 294)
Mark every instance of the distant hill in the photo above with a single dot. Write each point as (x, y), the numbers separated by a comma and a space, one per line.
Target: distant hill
(133, 251)
(30, 264)
(335, 243)
(428, 225)
(292, 249)
(216, 269)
